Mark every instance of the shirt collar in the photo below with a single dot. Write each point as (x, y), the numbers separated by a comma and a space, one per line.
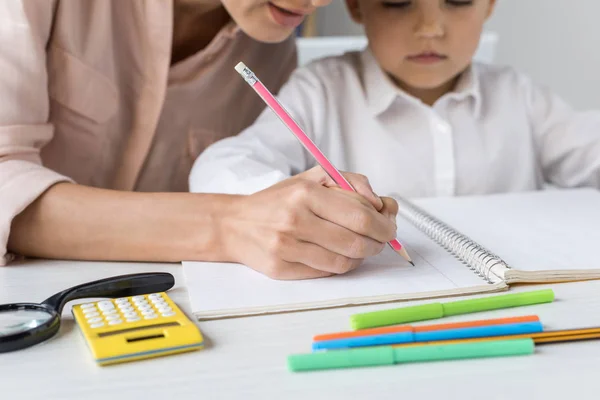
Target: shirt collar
(468, 86)
(381, 92)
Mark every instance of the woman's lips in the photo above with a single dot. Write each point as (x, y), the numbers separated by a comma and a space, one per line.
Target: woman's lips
(287, 18)
(427, 58)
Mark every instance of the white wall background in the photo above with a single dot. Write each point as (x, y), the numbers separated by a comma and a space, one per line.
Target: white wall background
(557, 42)
(334, 20)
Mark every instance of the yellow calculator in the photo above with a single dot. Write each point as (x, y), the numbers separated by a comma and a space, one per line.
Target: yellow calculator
(135, 328)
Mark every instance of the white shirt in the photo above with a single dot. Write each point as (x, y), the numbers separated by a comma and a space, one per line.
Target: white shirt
(497, 132)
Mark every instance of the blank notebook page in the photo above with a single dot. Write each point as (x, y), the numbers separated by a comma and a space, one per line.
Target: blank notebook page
(221, 289)
(534, 231)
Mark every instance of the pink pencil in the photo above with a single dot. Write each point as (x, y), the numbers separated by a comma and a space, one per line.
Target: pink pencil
(308, 144)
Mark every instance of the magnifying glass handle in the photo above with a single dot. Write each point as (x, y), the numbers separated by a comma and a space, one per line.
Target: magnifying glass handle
(118, 286)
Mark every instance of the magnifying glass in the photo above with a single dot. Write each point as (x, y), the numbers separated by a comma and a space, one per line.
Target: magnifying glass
(24, 324)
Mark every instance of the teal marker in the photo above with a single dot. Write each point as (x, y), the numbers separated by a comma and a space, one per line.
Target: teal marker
(438, 310)
(388, 355)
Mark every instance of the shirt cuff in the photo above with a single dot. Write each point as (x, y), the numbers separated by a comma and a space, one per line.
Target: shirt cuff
(228, 182)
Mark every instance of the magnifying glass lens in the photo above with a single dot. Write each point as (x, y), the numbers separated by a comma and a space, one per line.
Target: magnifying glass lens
(21, 320)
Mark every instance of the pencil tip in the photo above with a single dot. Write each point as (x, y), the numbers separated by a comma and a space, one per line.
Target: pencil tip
(405, 255)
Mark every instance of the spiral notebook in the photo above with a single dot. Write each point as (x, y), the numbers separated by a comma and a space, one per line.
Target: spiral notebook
(460, 245)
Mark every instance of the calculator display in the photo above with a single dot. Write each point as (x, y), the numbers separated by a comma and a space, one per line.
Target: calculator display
(120, 331)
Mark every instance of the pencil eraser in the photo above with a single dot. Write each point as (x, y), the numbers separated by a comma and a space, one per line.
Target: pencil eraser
(240, 67)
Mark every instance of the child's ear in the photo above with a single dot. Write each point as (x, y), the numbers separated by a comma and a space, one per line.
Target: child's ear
(354, 10)
(491, 8)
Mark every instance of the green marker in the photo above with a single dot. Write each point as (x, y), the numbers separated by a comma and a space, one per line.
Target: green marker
(438, 310)
(388, 355)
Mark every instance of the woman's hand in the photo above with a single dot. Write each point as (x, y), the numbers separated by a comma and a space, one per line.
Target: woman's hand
(300, 228)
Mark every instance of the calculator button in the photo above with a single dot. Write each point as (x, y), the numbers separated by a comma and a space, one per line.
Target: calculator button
(115, 322)
(122, 300)
(130, 315)
(89, 310)
(145, 307)
(92, 315)
(97, 325)
(87, 305)
(155, 296)
(138, 298)
(105, 305)
(109, 311)
(112, 317)
(150, 316)
(168, 314)
(149, 312)
(94, 320)
(126, 309)
(160, 303)
(164, 309)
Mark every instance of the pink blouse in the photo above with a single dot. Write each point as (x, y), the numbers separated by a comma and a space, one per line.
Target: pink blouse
(87, 94)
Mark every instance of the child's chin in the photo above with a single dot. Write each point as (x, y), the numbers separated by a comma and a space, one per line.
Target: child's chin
(427, 83)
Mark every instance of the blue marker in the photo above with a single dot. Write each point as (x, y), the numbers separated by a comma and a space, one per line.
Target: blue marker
(430, 336)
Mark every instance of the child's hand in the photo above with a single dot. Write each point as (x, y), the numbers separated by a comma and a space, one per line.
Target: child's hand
(300, 229)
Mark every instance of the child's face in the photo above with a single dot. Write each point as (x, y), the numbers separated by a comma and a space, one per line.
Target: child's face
(422, 44)
(270, 21)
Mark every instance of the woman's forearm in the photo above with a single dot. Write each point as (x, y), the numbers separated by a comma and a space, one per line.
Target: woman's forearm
(296, 229)
(77, 222)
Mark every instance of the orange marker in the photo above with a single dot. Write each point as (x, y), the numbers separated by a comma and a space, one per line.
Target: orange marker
(425, 328)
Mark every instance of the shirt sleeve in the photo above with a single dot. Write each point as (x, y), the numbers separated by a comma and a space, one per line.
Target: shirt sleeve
(24, 109)
(568, 141)
(266, 152)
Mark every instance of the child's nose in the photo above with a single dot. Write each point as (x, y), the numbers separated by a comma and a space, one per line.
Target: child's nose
(430, 25)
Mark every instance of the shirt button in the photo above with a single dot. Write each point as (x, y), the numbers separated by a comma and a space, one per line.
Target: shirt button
(443, 127)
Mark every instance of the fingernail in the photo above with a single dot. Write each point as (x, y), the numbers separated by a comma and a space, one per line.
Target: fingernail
(377, 197)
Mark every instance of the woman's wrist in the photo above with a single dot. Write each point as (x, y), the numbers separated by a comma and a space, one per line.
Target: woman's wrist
(212, 228)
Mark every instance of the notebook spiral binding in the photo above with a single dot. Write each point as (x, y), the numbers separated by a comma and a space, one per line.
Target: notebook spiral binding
(476, 257)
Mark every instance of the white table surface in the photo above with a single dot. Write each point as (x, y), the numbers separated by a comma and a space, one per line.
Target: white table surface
(246, 358)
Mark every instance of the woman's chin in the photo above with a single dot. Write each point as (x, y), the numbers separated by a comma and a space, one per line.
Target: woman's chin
(268, 32)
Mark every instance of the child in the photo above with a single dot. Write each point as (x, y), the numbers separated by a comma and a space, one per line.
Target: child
(415, 114)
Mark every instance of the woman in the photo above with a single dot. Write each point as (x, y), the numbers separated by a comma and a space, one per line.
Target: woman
(106, 103)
